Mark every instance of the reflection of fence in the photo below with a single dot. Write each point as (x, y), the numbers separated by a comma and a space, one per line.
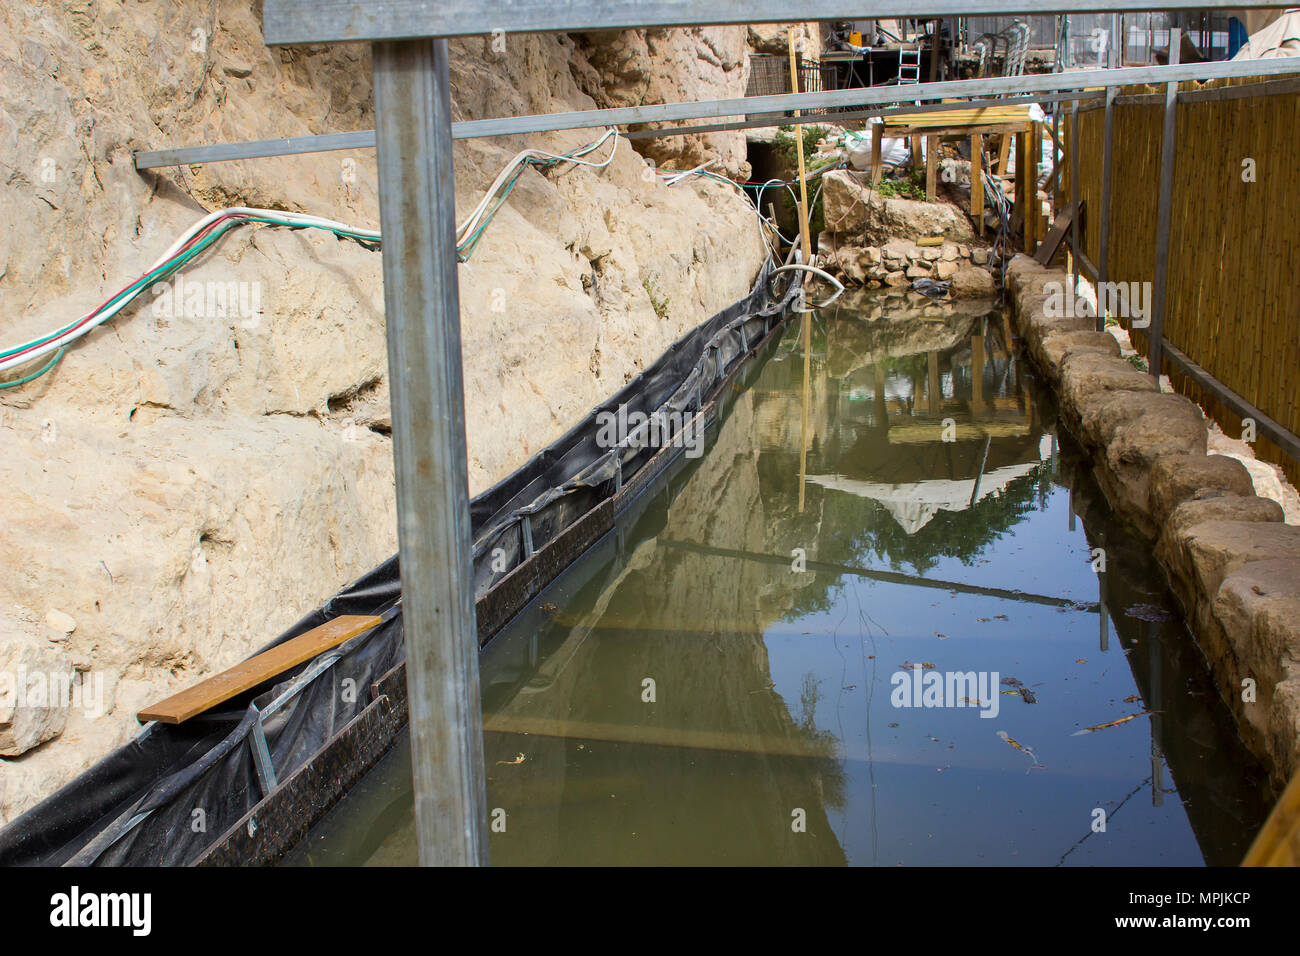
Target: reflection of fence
(1232, 301)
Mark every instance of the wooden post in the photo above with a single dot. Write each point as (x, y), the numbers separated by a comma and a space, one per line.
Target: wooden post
(1003, 153)
(977, 181)
(1022, 192)
(1033, 209)
(931, 167)
(916, 153)
(933, 385)
(877, 136)
(804, 239)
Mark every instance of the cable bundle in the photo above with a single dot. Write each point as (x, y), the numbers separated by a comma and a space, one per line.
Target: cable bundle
(212, 227)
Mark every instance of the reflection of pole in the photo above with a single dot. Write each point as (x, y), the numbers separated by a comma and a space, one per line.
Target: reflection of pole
(977, 373)
(1153, 657)
(1101, 610)
(975, 492)
(932, 391)
(879, 407)
(807, 395)
(1071, 509)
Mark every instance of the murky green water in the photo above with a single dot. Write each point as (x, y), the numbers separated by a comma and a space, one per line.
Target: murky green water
(726, 679)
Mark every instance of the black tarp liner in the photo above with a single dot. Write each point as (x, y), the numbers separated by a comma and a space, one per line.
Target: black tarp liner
(167, 795)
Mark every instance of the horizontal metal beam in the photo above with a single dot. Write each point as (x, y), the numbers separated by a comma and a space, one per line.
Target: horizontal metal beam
(1042, 87)
(1266, 426)
(328, 21)
(780, 119)
(881, 96)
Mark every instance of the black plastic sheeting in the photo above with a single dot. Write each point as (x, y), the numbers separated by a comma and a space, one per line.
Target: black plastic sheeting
(165, 797)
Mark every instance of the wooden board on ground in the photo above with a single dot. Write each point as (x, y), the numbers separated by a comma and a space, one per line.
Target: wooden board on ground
(1056, 235)
(256, 670)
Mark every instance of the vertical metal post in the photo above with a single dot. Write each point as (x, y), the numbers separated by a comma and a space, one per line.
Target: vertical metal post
(1074, 198)
(1107, 151)
(417, 208)
(1155, 338)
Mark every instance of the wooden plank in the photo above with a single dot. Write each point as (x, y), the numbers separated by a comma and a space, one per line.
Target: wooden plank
(256, 670)
(977, 181)
(1004, 154)
(1052, 241)
(916, 151)
(1278, 840)
(942, 129)
(987, 116)
(1033, 208)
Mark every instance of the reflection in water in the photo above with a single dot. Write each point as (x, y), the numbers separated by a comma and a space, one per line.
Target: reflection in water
(712, 683)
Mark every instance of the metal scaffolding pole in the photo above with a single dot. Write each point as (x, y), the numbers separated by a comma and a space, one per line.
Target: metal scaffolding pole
(417, 209)
(1029, 87)
(1164, 215)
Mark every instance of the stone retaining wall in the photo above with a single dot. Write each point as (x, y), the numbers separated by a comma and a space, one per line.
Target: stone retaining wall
(1232, 562)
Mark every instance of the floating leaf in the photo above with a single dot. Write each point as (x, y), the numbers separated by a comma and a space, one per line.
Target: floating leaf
(1113, 723)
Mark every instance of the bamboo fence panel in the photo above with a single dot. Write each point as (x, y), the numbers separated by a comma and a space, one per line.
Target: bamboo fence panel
(1233, 303)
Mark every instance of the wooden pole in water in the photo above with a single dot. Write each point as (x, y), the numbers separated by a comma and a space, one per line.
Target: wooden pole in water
(805, 242)
(806, 248)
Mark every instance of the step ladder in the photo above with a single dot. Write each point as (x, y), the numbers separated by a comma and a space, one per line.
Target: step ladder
(909, 64)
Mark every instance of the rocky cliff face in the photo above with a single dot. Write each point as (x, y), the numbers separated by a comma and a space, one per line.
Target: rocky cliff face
(184, 485)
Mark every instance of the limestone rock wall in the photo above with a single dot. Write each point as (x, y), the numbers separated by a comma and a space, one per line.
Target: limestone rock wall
(186, 484)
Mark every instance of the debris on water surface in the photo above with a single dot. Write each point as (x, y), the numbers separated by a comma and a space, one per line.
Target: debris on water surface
(519, 758)
(1113, 723)
(1027, 695)
(548, 609)
(1132, 698)
(1147, 612)
(1023, 749)
(909, 666)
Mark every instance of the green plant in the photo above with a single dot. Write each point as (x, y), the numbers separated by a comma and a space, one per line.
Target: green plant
(1138, 362)
(911, 186)
(785, 144)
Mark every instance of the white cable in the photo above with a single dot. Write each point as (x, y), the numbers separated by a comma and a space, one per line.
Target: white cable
(288, 218)
(798, 266)
(304, 220)
(466, 228)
